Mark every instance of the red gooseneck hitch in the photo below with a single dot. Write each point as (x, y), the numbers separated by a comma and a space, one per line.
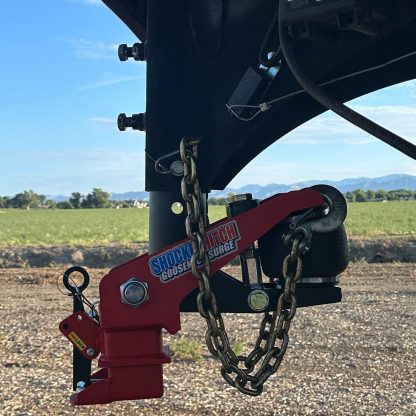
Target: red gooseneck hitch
(144, 295)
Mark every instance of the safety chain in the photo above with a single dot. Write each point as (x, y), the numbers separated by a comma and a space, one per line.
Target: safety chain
(266, 357)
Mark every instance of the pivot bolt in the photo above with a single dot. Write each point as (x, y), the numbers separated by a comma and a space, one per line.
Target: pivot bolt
(137, 52)
(258, 300)
(134, 292)
(136, 122)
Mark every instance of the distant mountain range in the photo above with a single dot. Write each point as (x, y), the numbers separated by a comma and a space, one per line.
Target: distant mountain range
(387, 183)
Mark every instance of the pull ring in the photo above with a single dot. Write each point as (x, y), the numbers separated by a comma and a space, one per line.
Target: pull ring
(71, 287)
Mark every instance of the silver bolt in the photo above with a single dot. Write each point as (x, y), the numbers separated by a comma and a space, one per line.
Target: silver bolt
(90, 351)
(258, 300)
(93, 313)
(134, 292)
(80, 386)
(177, 168)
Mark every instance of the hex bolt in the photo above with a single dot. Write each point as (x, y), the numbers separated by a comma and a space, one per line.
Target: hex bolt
(90, 351)
(134, 292)
(136, 122)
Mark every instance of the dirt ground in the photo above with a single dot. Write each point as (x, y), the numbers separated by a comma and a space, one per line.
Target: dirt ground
(352, 358)
(375, 250)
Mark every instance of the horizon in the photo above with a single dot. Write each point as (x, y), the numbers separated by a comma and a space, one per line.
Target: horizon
(48, 194)
(68, 140)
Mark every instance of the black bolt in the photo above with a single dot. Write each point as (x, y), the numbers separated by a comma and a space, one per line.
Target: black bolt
(121, 122)
(137, 51)
(136, 122)
(124, 52)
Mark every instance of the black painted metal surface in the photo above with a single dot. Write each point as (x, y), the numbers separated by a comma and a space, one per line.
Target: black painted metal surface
(232, 295)
(198, 52)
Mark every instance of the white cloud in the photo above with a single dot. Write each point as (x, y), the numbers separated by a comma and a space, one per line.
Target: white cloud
(110, 123)
(409, 166)
(63, 172)
(95, 2)
(103, 120)
(262, 172)
(88, 2)
(331, 129)
(107, 82)
(398, 119)
(94, 51)
(387, 110)
(328, 147)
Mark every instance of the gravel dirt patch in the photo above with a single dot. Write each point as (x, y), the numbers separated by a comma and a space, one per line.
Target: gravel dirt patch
(352, 358)
(374, 250)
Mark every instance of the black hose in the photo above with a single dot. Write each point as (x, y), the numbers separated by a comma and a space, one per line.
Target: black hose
(333, 104)
(265, 47)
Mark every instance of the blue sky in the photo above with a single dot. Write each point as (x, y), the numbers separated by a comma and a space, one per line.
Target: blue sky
(62, 87)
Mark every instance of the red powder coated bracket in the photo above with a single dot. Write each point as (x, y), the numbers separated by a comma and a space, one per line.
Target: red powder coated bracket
(83, 332)
(130, 338)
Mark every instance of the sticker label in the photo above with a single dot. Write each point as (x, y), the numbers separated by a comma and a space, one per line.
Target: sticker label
(176, 262)
(77, 340)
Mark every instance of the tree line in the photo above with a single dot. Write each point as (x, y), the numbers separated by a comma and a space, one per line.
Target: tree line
(99, 198)
(359, 195)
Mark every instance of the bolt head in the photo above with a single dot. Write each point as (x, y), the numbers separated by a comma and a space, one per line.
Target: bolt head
(258, 300)
(177, 167)
(90, 352)
(121, 122)
(80, 386)
(122, 52)
(134, 292)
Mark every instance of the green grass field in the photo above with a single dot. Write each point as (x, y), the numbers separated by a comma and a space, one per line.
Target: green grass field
(100, 226)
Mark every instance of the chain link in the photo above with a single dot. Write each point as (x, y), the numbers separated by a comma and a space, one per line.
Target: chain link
(246, 373)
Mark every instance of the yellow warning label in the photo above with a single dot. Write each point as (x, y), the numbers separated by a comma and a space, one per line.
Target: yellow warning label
(77, 340)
